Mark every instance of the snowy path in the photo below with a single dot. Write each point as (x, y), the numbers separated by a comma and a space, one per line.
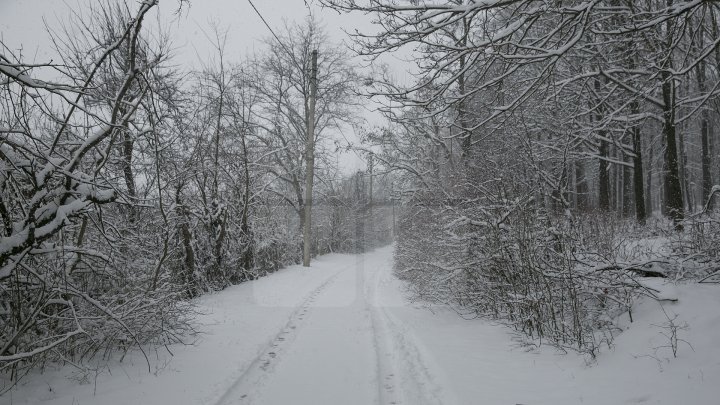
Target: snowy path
(339, 340)
(342, 332)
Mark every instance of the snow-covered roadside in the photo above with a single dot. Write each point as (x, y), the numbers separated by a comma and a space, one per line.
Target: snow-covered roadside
(483, 365)
(237, 324)
(343, 332)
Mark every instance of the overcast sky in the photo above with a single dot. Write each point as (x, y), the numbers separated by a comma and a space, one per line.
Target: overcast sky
(22, 26)
(21, 22)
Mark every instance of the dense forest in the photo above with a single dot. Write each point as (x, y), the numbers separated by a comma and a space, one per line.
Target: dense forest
(526, 172)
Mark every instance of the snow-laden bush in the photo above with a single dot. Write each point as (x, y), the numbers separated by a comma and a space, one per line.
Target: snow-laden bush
(696, 252)
(515, 262)
(89, 293)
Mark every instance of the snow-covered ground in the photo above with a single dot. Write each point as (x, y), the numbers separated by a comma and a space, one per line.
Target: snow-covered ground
(342, 332)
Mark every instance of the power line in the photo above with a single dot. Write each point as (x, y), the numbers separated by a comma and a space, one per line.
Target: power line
(292, 56)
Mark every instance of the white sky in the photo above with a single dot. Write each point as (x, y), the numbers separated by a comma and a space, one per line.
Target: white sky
(22, 27)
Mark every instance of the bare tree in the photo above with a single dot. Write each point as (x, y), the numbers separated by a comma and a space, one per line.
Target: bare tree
(58, 145)
(284, 85)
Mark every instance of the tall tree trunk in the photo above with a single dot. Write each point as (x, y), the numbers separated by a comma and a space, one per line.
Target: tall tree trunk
(648, 183)
(684, 172)
(704, 135)
(627, 190)
(219, 231)
(127, 149)
(187, 275)
(639, 193)
(218, 223)
(641, 205)
(674, 202)
(683, 169)
(616, 181)
(603, 167)
(128, 143)
(603, 178)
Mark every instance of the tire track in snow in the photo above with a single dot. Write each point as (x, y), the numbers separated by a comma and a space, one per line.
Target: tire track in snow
(251, 379)
(404, 376)
(413, 374)
(389, 391)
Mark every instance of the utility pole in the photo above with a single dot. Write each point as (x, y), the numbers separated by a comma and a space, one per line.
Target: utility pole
(370, 173)
(370, 202)
(392, 198)
(310, 158)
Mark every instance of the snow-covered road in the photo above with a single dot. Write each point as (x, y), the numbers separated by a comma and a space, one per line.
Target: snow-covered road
(342, 332)
(340, 345)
